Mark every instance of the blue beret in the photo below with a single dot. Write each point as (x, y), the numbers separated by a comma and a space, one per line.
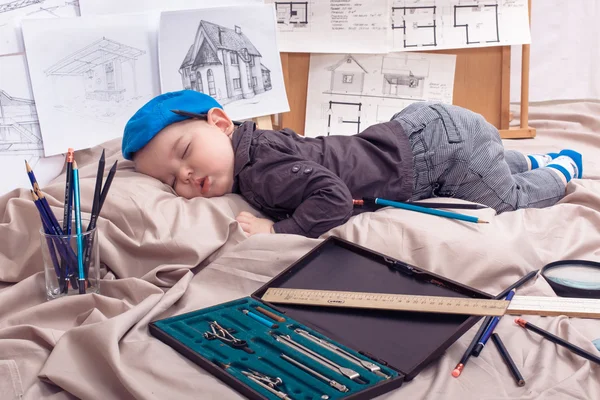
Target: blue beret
(156, 115)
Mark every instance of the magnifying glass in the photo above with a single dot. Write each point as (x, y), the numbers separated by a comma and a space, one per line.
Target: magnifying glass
(574, 278)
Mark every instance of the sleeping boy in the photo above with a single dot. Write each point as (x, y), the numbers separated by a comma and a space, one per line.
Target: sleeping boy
(306, 185)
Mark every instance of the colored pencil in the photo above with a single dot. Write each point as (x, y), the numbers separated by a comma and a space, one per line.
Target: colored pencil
(432, 211)
(89, 242)
(76, 199)
(457, 206)
(270, 314)
(68, 193)
(49, 242)
(260, 319)
(106, 188)
(557, 340)
(486, 321)
(508, 360)
(488, 333)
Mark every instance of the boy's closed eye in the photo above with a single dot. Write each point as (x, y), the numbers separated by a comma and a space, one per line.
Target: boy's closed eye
(185, 151)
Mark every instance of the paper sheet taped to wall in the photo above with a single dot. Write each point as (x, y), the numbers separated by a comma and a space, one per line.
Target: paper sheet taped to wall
(347, 93)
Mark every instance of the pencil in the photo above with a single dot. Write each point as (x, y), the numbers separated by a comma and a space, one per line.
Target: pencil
(49, 242)
(106, 188)
(488, 333)
(89, 243)
(432, 211)
(559, 341)
(76, 199)
(270, 314)
(463, 361)
(260, 319)
(508, 360)
(457, 206)
(68, 193)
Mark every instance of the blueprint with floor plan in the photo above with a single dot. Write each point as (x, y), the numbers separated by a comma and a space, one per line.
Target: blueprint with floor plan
(445, 24)
(349, 92)
(331, 26)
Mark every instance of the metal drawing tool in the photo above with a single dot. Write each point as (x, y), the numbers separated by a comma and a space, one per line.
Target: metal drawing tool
(334, 384)
(343, 353)
(347, 372)
(519, 305)
(224, 335)
(267, 382)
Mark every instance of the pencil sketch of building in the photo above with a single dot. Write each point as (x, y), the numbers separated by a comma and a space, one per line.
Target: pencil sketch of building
(292, 12)
(102, 71)
(403, 76)
(347, 76)
(224, 64)
(16, 4)
(19, 128)
(343, 118)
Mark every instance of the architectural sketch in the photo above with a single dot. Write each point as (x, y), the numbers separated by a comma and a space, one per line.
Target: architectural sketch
(404, 76)
(418, 25)
(444, 24)
(292, 12)
(348, 93)
(343, 118)
(102, 72)
(13, 11)
(224, 64)
(19, 128)
(485, 29)
(347, 76)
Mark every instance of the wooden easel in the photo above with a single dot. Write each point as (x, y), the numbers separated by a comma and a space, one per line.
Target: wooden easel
(481, 84)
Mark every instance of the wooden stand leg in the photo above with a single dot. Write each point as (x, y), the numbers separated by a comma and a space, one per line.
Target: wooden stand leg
(264, 122)
(524, 131)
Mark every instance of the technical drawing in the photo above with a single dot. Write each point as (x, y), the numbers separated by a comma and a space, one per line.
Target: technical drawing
(347, 76)
(19, 128)
(224, 64)
(343, 118)
(418, 25)
(404, 76)
(99, 79)
(292, 12)
(485, 30)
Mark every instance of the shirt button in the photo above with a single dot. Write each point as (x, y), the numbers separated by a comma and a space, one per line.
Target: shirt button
(308, 170)
(295, 168)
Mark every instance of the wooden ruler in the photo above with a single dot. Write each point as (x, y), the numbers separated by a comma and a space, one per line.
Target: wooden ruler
(519, 305)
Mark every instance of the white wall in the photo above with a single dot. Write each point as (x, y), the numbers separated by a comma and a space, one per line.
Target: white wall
(565, 52)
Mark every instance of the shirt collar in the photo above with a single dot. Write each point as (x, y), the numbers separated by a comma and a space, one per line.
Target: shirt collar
(241, 138)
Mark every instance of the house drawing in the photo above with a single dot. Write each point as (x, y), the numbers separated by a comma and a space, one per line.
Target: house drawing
(102, 71)
(480, 22)
(19, 128)
(224, 64)
(16, 4)
(403, 76)
(347, 76)
(291, 12)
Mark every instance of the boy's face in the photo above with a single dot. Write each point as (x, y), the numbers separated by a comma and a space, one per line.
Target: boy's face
(194, 157)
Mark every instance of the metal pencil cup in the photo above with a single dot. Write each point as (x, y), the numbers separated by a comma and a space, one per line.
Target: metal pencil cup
(61, 265)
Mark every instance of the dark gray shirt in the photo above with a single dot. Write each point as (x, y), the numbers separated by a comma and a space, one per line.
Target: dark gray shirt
(307, 184)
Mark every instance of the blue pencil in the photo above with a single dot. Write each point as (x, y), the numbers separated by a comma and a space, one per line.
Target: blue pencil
(50, 243)
(490, 329)
(260, 319)
(77, 203)
(432, 211)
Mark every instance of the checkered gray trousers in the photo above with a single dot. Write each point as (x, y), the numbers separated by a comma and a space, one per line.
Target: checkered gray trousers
(457, 153)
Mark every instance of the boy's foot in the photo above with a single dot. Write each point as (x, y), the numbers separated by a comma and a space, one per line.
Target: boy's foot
(568, 163)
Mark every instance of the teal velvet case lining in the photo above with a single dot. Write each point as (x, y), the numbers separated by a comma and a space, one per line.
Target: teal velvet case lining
(189, 329)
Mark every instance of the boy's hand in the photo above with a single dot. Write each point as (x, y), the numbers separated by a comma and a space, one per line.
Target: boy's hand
(253, 225)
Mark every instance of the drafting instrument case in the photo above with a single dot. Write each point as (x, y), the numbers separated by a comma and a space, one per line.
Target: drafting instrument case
(399, 344)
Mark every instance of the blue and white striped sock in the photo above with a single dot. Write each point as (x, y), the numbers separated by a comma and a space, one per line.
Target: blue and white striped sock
(540, 160)
(569, 163)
